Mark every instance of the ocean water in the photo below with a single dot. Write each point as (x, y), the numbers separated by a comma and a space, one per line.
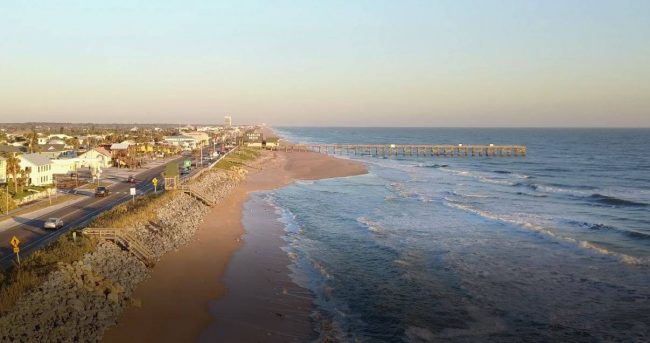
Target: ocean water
(554, 246)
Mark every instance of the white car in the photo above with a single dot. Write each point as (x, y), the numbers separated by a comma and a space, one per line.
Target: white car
(53, 223)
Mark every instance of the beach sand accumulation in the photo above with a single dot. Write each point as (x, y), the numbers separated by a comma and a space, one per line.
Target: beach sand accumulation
(174, 303)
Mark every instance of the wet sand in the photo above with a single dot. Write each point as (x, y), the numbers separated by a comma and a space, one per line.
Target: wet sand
(175, 301)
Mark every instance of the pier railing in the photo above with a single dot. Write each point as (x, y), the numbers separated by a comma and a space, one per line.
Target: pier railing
(410, 150)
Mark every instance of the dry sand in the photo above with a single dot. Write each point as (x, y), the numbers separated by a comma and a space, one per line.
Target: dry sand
(175, 300)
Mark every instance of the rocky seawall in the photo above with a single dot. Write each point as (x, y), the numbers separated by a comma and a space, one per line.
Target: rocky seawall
(79, 301)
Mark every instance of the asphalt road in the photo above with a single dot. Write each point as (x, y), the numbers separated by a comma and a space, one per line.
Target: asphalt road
(32, 235)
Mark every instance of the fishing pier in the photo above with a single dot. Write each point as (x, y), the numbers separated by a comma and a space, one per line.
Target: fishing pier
(386, 150)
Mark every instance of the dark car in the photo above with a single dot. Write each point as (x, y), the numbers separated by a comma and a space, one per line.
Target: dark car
(101, 191)
(185, 171)
(131, 179)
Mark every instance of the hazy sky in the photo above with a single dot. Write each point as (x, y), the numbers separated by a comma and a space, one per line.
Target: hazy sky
(368, 63)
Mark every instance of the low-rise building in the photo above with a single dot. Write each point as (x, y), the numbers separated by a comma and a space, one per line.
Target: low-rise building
(253, 138)
(271, 142)
(12, 150)
(40, 169)
(185, 142)
(55, 151)
(3, 170)
(96, 157)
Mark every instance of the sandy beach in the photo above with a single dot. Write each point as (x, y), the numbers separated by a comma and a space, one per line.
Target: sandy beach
(175, 303)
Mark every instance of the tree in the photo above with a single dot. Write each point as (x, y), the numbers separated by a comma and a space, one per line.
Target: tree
(13, 168)
(6, 201)
(74, 142)
(33, 141)
(24, 178)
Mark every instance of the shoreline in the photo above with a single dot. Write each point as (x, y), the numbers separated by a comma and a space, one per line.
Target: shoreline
(174, 301)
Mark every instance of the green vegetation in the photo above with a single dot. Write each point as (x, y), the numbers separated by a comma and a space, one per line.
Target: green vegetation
(34, 269)
(238, 158)
(131, 214)
(23, 192)
(3, 202)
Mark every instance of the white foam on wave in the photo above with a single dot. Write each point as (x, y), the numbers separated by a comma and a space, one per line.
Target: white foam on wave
(627, 259)
(370, 225)
(468, 195)
(482, 177)
(418, 334)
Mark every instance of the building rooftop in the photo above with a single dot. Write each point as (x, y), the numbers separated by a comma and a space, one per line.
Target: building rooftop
(35, 159)
(11, 148)
(120, 146)
(52, 147)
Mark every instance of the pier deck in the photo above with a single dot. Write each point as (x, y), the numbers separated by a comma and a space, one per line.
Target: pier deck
(409, 150)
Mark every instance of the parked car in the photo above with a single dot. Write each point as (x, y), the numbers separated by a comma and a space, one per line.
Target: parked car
(131, 179)
(53, 223)
(101, 191)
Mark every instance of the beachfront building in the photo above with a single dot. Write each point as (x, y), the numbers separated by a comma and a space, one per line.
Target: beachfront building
(55, 151)
(97, 157)
(184, 142)
(201, 138)
(64, 166)
(271, 142)
(253, 138)
(11, 150)
(3, 170)
(60, 136)
(40, 169)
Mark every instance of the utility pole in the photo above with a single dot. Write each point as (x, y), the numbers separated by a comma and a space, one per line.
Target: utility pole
(8, 196)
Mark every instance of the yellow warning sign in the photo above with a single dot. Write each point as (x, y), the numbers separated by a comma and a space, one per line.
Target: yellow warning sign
(154, 181)
(16, 250)
(15, 241)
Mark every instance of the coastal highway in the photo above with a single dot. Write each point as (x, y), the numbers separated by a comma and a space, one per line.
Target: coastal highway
(32, 236)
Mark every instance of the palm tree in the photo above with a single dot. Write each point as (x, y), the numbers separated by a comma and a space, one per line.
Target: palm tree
(13, 168)
(24, 176)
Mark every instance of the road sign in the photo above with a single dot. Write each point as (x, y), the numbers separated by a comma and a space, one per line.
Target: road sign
(132, 190)
(154, 181)
(15, 241)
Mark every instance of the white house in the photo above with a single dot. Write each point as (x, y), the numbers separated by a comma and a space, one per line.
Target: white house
(64, 166)
(201, 138)
(186, 142)
(41, 169)
(96, 157)
(3, 170)
(55, 151)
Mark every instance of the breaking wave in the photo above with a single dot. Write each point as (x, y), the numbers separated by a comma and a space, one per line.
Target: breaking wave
(613, 201)
(631, 260)
(603, 227)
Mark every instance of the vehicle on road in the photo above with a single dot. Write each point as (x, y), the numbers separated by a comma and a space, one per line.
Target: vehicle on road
(53, 223)
(131, 179)
(101, 191)
(185, 171)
